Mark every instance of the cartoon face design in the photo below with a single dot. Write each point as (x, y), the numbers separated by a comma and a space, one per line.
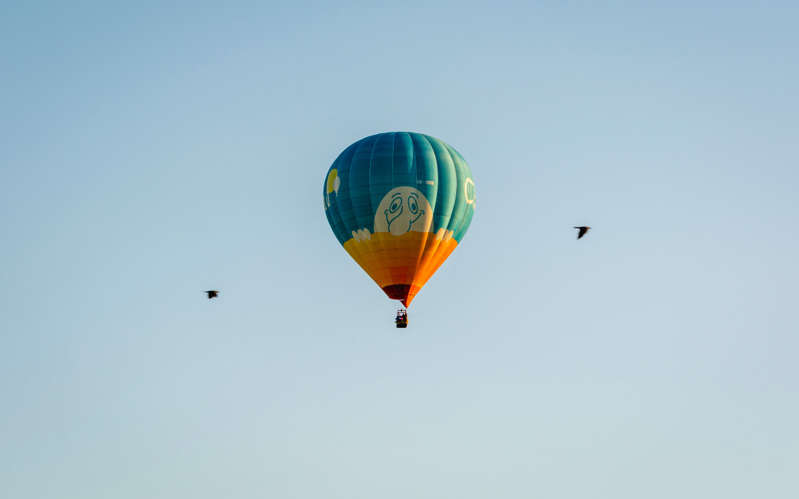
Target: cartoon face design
(403, 209)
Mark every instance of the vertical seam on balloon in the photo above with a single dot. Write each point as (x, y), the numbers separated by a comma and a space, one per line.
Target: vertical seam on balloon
(364, 247)
(348, 197)
(427, 255)
(432, 262)
(455, 219)
(399, 273)
(357, 256)
(376, 238)
(396, 247)
(423, 244)
(424, 255)
(449, 207)
(341, 222)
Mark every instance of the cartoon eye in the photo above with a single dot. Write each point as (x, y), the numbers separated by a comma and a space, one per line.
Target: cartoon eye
(395, 205)
(413, 204)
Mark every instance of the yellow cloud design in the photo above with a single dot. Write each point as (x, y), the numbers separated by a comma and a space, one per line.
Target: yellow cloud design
(331, 180)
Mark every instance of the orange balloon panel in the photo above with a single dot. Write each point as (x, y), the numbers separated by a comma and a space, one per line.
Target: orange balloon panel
(402, 264)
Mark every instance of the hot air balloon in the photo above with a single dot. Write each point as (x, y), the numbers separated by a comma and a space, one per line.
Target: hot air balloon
(399, 203)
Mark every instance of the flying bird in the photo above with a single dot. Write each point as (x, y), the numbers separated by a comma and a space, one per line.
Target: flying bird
(582, 230)
(212, 293)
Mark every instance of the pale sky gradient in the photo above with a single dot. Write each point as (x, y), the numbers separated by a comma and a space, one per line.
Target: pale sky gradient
(148, 153)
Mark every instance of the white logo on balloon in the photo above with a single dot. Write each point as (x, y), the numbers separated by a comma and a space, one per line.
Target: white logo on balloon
(468, 191)
(403, 209)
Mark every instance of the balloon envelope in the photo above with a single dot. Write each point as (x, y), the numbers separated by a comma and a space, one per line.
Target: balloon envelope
(399, 203)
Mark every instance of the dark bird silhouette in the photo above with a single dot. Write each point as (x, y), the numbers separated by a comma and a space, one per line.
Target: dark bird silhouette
(582, 230)
(212, 293)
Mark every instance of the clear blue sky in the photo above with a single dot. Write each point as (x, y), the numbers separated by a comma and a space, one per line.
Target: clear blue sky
(148, 153)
